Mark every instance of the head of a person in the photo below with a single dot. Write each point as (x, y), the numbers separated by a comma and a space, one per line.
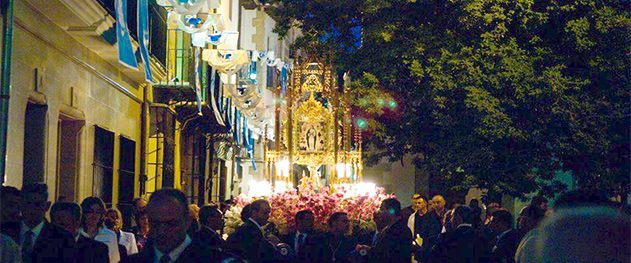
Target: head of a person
(529, 217)
(193, 211)
(260, 211)
(304, 221)
(501, 220)
(584, 234)
(169, 218)
(139, 204)
(339, 223)
(390, 210)
(11, 203)
(461, 215)
(540, 201)
(419, 203)
(246, 212)
(474, 203)
(35, 202)
(113, 219)
(93, 212)
(439, 202)
(378, 220)
(143, 220)
(66, 216)
(492, 207)
(210, 216)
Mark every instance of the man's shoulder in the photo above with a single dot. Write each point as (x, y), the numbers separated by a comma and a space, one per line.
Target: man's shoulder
(145, 256)
(400, 228)
(86, 243)
(52, 233)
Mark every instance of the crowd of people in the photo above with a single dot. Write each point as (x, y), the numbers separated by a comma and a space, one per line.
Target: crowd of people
(167, 229)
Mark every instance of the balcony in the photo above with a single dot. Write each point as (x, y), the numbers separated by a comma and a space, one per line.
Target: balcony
(93, 24)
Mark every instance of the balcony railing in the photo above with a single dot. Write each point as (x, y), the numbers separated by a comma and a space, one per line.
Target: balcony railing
(157, 25)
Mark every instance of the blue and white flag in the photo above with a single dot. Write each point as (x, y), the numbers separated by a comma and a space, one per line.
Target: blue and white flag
(143, 37)
(125, 49)
(213, 101)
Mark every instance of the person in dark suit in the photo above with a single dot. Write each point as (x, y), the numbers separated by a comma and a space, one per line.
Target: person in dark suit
(463, 243)
(40, 241)
(304, 227)
(394, 244)
(168, 242)
(67, 216)
(428, 227)
(11, 201)
(211, 220)
(438, 207)
(332, 246)
(249, 240)
(369, 238)
(507, 238)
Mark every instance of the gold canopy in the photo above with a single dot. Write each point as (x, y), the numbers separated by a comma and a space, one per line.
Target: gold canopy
(314, 129)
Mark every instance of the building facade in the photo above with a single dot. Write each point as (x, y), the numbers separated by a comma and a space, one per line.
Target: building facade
(88, 126)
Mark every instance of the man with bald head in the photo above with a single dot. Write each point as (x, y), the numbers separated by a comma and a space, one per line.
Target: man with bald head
(249, 240)
(169, 219)
(438, 202)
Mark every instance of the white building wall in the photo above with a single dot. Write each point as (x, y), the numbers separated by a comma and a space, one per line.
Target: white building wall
(39, 44)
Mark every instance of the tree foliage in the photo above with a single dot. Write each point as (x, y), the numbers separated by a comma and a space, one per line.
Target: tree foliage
(494, 93)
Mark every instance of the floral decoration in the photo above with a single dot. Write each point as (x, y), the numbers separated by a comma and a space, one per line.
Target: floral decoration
(322, 201)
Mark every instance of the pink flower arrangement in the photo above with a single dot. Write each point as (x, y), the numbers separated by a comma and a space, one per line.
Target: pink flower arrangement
(323, 202)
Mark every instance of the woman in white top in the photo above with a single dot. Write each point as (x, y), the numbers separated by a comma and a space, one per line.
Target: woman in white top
(92, 227)
(114, 221)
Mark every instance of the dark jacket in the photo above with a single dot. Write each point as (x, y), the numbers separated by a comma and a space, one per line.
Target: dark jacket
(463, 244)
(323, 248)
(88, 250)
(367, 237)
(248, 242)
(505, 247)
(290, 239)
(428, 227)
(208, 238)
(192, 254)
(53, 245)
(394, 245)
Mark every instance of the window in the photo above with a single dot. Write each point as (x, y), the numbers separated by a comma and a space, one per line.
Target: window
(34, 161)
(126, 171)
(102, 175)
(126, 178)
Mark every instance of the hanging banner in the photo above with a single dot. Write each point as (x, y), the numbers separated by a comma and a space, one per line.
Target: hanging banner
(213, 98)
(143, 37)
(125, 49)
(197, 74)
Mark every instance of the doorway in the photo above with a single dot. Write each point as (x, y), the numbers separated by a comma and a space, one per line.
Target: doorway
(68, 147)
